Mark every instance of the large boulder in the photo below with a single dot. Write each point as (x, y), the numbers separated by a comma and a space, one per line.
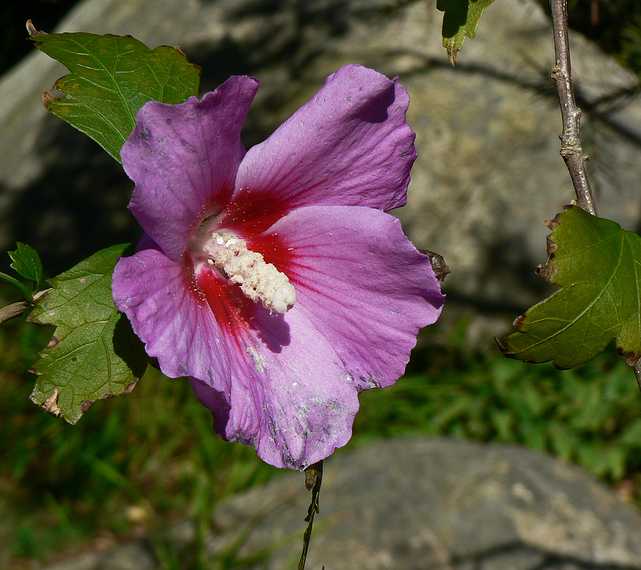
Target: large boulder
(488, 172)
(413, 504)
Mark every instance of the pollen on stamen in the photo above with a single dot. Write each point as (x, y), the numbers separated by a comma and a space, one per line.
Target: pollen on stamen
(258, 280)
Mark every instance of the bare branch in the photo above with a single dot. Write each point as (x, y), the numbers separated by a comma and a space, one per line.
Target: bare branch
(571, 149)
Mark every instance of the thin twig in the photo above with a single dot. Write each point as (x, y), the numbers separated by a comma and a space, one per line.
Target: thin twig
(571, 149)
(313, 481)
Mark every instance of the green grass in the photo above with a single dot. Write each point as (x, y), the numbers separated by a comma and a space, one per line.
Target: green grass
(590, 416)
(138, 462)
(143, 460)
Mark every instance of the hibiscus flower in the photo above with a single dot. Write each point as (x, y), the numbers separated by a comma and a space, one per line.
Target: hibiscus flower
(274, 279)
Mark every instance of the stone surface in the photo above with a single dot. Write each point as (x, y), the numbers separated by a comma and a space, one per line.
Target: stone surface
(414, 504)
(488, 172)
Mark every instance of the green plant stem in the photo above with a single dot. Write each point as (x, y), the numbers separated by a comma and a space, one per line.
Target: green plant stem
(313, 481)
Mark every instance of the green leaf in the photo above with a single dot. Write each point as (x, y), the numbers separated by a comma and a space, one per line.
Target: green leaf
(460, 20)
(26, 263)
(111, 78)
(93, 353)
(597, 266)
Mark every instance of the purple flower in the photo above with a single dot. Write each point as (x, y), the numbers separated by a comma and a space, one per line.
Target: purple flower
(274, 279)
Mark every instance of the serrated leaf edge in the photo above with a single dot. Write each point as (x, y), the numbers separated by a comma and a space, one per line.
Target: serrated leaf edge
(548, 272)
(56, 95)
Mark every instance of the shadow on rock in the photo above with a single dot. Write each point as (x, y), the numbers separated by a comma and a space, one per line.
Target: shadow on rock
(499, 556)
(77, 205)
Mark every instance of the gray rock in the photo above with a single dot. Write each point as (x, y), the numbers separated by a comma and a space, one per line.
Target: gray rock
(133, 556)
(128, 557)
(415, 504)
(489, 171)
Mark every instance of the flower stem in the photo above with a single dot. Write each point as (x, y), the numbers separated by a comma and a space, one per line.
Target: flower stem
(313, 481)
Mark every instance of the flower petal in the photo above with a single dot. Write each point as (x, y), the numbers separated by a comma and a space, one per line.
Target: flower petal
(291, 396)
(274, 383)
(349, 145)
(176, 326)
(365, 287)
(184, 158)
